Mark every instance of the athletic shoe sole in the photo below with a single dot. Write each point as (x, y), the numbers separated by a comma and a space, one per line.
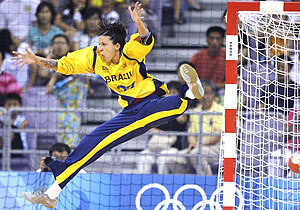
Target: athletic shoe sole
(190, 76)
(40, 198)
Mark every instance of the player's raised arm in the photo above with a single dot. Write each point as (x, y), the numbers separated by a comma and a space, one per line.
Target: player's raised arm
(30, 58)
(139, 44)
(135, 15)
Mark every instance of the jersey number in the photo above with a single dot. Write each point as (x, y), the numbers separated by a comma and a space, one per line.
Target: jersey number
(126, 88)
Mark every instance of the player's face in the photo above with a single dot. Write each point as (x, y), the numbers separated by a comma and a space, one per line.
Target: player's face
(108, 49)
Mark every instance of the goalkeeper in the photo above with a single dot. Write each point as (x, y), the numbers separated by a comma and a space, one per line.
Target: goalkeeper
(122, 67)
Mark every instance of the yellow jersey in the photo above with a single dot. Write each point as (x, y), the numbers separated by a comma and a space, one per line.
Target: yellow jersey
(129, 78)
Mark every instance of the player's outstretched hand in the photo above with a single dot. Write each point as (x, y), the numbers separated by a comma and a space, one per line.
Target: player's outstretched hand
(24, 58)
(136, 12)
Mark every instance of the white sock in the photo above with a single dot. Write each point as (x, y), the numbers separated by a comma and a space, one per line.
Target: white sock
(53, 191)
(189, 94)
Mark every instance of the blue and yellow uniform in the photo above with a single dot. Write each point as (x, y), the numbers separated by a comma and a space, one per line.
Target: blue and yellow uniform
(139, 95)
(128, 78)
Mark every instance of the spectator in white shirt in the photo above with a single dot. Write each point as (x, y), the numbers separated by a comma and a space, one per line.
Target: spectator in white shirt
(18, 16)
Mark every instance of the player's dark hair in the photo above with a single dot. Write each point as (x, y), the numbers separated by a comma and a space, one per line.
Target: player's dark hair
(116, 31)
(174, 85)
(217, 29)
(13, 96)
(5, 41)
(61, 35)
(50, 7)
(59, 147)
(211, 84)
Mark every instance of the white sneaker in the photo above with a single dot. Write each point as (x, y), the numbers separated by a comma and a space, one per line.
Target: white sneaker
(190, 76)
(40, 197)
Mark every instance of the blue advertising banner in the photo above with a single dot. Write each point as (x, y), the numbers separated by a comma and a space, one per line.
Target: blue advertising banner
(112, 191)
(149, 192)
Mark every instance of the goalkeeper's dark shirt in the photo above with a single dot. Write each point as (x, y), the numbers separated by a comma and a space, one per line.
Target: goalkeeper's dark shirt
(280, 97)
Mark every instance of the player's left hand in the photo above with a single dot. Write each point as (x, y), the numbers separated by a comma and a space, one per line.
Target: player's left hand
(24, 58)
(136, 12)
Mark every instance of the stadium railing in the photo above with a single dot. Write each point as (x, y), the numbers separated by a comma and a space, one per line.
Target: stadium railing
(114, 157)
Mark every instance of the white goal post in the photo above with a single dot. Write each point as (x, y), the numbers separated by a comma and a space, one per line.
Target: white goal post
(262, 117)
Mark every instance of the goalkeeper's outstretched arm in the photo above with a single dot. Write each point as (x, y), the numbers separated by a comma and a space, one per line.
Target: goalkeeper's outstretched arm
(30, 58)
(77, 62)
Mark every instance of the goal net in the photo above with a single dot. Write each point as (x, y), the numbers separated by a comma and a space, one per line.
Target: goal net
(268, 111)
(151, 171)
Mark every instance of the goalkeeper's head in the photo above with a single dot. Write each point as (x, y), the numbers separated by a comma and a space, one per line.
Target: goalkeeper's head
(111, 40)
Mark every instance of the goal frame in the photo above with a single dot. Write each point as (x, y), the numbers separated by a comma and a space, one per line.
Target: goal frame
(230, 98)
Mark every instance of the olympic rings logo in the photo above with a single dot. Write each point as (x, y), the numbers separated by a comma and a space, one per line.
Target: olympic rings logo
(163, 205)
